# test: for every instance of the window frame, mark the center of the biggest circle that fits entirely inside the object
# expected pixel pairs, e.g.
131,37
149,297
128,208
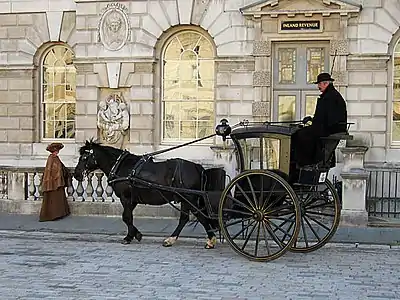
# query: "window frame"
392,143
42,137
166,43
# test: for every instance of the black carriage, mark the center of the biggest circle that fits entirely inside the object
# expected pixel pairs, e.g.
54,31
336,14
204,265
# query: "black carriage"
270,207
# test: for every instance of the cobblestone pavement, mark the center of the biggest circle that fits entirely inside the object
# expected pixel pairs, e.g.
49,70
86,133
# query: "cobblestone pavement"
62,266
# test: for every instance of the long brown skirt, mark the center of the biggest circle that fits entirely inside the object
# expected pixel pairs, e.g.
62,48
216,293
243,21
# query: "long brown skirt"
54,206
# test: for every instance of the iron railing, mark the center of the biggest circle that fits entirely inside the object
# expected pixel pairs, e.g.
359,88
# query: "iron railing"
383,192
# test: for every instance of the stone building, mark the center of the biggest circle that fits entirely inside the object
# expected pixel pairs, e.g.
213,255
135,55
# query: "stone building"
145,75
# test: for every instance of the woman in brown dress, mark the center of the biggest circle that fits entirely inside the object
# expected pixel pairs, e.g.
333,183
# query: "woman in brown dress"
55,178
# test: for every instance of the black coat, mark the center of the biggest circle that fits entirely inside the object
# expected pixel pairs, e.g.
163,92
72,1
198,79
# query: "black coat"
330,117
330,114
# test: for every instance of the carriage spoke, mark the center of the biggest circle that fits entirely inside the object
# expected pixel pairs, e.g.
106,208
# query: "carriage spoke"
278,228
331,204
237,222
313,230
290,227
244,228
248,237
237,212
277,209
245,195
257,239
253,193
266,239
240,203
318,222
320,213
263,208
304,231
274,237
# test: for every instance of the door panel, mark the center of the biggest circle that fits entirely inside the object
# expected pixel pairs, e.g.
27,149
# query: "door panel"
295,68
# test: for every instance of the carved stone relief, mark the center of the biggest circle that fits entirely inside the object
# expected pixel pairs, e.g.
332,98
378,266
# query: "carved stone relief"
341,46
341,78
113,119
262,48
261,78
114,27
261,109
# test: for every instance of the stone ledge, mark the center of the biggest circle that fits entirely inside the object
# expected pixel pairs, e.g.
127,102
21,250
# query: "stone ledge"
354,218
90,209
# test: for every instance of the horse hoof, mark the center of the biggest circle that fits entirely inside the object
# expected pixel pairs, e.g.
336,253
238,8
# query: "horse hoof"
207,246
138,236
125,242
166,244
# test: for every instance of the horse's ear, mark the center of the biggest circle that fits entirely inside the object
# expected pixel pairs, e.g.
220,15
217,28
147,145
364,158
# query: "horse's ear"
87,143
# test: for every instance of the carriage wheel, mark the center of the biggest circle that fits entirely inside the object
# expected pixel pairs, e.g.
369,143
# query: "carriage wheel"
320,216
259,215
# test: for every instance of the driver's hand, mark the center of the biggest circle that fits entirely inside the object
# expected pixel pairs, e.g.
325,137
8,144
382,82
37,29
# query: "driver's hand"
307,119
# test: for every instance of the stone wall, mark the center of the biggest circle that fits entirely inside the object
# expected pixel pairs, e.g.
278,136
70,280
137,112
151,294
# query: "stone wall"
243,64
369,93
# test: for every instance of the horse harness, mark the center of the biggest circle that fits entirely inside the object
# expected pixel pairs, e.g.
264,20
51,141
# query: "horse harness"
136,168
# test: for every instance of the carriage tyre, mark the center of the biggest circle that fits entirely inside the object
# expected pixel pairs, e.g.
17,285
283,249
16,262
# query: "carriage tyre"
320,217
252,209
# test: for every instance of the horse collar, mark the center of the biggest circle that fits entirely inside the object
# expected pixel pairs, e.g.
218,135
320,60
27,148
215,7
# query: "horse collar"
115,167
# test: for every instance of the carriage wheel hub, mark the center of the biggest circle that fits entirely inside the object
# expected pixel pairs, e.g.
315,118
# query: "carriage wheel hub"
258,215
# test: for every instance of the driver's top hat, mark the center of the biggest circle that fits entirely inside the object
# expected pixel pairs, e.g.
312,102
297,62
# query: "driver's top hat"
324,77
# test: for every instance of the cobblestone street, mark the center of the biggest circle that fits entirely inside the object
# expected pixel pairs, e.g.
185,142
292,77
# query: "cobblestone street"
62,266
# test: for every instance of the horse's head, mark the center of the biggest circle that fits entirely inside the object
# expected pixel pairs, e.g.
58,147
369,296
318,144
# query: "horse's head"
87,160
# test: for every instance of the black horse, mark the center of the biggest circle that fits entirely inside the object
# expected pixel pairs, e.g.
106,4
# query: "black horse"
177,173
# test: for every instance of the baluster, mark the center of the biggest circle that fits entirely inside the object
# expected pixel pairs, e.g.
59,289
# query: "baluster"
99,188
38,187
80,191
109,193
70,191
2,186
31,186
89,188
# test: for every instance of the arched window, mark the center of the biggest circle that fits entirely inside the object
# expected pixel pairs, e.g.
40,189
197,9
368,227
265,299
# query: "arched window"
58,93
396,95
188,87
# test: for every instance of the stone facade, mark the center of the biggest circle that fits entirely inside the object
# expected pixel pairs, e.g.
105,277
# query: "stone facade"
244,33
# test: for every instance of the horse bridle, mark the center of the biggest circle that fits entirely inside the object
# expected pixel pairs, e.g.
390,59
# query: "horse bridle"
89,153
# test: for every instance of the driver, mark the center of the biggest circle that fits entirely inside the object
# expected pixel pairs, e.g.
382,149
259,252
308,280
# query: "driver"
330,117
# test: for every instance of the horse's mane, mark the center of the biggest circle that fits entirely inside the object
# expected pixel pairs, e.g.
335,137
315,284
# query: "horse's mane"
92,144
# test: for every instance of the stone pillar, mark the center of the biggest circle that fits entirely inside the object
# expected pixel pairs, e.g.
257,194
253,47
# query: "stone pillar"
224,155
354,175
16,185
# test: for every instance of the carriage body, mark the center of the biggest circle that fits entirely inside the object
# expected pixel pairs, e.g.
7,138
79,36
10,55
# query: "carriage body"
263,146
286,208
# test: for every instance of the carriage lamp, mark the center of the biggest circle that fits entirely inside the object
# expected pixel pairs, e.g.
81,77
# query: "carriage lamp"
223,129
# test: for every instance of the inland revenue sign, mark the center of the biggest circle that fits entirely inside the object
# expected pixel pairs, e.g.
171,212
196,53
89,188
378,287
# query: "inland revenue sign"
301,25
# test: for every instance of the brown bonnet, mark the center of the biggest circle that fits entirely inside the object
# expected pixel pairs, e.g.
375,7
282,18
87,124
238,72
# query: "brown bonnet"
54,147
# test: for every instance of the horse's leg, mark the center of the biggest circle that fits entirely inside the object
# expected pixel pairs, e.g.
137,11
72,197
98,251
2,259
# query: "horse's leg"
211,238
183,219
127,217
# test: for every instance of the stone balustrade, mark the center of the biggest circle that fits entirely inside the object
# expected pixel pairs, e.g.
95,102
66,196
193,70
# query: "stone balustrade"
24,184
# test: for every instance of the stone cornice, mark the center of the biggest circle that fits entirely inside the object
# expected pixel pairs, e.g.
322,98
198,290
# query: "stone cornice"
271,8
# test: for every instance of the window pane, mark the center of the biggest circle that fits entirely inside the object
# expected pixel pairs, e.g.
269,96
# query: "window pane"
315,63
59,93
311,102
396,95
286,108
287,65
188,87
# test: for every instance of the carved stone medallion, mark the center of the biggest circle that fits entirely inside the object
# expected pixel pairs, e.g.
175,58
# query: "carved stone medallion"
113,119
114,26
